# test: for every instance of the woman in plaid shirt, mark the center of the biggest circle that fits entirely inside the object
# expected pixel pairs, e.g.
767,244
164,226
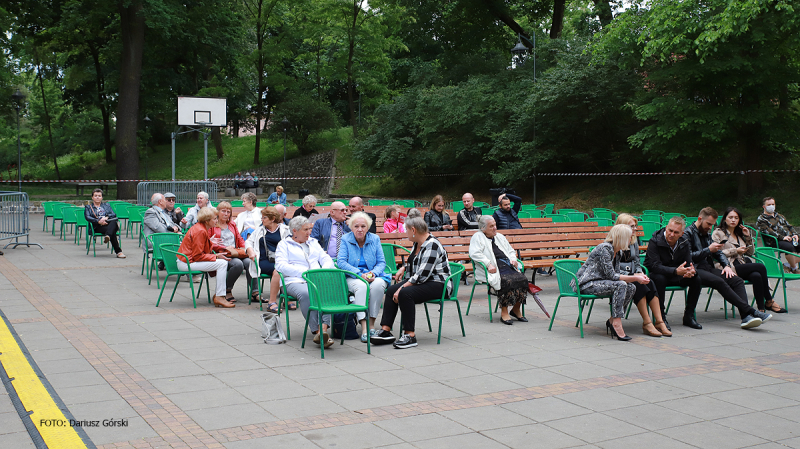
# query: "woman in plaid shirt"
428,268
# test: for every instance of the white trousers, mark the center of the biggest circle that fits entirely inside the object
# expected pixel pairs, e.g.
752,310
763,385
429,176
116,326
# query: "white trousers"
376,291
219,265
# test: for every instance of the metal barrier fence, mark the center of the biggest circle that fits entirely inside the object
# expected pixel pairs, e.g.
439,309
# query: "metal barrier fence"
14,222
185,191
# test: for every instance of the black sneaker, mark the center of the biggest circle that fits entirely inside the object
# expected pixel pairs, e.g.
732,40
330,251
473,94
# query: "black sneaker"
751,321
765,316
405,341
382,337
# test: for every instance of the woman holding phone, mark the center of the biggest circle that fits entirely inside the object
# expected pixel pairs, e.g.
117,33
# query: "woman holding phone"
737,244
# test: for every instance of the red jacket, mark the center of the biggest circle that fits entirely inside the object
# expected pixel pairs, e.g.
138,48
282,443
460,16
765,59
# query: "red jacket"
217,232
196,245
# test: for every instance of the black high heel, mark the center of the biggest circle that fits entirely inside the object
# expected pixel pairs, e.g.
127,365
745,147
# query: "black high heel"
609,327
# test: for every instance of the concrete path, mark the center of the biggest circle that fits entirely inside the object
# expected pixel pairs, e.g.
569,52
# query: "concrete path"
188,378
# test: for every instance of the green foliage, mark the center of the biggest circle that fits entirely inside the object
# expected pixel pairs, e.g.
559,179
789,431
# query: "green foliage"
307,118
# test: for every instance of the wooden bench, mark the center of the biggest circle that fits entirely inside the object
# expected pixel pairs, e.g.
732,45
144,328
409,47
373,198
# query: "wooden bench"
80,186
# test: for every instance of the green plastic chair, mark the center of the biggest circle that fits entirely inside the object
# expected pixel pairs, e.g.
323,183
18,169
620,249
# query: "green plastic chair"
58,215
328,294
457,206
406,203
259,286
665,217
576,217
456,269
527,207
548,208
557,218
648,228
653,211
297,203
81,224
156,241
775,270
650,216
374,202
91,238
566,272
482,204
390,251
601,221
170,254
524,214
481,266
49,207
121,209
566,211
601,212
754,234
135,219
68,218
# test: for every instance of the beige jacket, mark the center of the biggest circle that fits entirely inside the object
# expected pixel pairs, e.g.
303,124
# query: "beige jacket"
480,250
729,248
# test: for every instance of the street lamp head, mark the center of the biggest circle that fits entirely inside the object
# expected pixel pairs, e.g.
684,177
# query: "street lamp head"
519,49
147,120
17,97
285,123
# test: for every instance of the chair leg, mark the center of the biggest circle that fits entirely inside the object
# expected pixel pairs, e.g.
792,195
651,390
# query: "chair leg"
191,286
441,315
580,315
489,298
288,332
305,330
430,329
591,306
458,306
208,288
321,343
162,291
344,327
475,284
671,294
710,293
555,309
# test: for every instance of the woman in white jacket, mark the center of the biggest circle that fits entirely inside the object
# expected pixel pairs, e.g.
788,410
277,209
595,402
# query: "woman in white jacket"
293,257
491,248
263,243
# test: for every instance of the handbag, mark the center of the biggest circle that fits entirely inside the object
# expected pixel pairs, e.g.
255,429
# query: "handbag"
271,330
626,268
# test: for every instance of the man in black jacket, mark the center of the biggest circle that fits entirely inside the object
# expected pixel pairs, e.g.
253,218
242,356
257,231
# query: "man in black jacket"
469,215
725,281
506,217
669,261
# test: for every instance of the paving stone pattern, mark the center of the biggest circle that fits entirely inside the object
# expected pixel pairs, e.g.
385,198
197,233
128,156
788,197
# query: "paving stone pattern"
186,377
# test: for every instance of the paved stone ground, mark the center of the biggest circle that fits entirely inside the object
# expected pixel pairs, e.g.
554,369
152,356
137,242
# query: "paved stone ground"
186,377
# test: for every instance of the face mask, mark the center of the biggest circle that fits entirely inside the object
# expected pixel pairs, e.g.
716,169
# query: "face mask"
770,209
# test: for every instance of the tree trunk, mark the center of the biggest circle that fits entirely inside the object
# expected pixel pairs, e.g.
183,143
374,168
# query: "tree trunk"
500,10
47,120
351,103
132,34
101,103
557,26
603,10
216,136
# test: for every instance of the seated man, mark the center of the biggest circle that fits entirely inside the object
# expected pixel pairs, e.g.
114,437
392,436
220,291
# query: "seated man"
774,224
506,217
329,231
238,180
468,216
704,253
356,204
282,210
191,216
175,214
669,260
248,181
255,180
156,219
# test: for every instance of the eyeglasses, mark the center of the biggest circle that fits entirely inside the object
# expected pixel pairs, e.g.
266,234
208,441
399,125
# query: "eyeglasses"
171,200
340,210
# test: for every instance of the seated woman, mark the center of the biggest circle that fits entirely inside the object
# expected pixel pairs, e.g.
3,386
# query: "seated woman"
428,269
225,239
775,225
264,242
599,275
393,223
360,253
436,218
293,257
197,247
277,197
103,221
493,250
737,245
250,218
307,210
630,264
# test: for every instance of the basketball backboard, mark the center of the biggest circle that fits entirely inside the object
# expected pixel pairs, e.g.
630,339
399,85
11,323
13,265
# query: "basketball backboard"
202,111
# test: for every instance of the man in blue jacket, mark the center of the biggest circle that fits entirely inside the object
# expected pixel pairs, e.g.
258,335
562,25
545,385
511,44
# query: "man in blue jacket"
506,217
329,231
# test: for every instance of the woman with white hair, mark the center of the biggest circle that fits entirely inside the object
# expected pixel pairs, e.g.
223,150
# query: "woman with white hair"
599,275
429,269
307,210
492,249
293,257
361,254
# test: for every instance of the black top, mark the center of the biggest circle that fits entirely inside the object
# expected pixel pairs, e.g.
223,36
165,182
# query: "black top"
302,211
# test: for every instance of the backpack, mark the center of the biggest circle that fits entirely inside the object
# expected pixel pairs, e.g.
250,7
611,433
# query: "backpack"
271,330
338,326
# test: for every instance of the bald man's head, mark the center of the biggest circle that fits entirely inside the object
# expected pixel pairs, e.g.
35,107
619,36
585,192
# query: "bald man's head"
467,199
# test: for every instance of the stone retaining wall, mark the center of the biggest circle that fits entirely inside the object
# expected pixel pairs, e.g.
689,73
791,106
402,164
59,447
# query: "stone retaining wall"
315,165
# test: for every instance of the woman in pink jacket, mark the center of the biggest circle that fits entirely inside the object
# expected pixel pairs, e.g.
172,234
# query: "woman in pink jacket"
392,223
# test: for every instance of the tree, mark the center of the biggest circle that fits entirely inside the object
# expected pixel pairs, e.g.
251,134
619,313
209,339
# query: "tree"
718,77
307,117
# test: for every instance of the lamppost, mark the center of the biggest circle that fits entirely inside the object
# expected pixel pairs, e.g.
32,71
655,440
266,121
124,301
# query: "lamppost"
285,123
17,97
146,139
519,53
